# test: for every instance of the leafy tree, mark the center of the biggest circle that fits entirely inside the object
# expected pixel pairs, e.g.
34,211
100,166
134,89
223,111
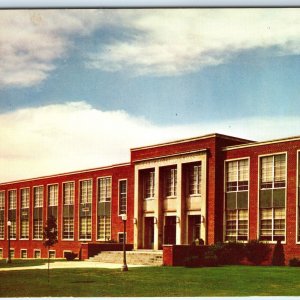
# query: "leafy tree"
50,237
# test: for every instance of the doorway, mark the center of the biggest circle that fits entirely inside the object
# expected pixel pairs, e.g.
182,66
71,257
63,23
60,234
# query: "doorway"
149,233
194,228
170,230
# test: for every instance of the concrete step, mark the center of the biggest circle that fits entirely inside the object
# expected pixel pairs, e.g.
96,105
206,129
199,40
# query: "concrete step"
136,257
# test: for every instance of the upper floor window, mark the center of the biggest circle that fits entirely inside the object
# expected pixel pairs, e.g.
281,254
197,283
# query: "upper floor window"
104,185
68,193
12,199
194,173
171,182
53,195
273,171
149,182
122,197
86,191
38,196
237,175
25,198
2,200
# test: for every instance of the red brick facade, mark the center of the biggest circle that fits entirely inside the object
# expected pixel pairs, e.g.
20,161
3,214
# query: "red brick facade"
217,150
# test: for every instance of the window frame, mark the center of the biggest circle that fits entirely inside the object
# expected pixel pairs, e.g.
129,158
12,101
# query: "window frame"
4,210
63,205
259,157
119,195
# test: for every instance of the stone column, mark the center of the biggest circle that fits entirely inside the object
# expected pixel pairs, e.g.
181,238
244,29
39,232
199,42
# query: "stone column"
180,208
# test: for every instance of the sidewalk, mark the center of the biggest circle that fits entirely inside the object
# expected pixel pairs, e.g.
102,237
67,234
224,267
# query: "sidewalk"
72,264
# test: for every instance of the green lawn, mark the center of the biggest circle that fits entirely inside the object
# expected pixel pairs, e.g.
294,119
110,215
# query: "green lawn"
153,281
24,262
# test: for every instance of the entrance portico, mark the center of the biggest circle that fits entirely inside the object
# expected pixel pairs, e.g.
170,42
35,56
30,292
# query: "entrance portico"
169,200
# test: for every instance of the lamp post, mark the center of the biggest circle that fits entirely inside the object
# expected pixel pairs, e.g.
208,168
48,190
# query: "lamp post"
8,240
124,267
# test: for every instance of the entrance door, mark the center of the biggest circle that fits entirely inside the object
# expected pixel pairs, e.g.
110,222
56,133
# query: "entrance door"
170,230
149,233
194,228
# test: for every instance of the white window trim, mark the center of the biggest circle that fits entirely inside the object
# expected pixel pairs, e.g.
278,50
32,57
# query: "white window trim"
37,250
21,253
48,194
51,250
224,197
1,250
20,195
258,198
37,186
119,233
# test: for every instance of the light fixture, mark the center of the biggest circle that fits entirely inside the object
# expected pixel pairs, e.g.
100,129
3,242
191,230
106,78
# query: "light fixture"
177,219
124,217
134,221
154,220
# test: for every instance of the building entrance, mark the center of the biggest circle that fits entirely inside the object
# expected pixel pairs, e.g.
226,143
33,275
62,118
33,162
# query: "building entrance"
170,230
194,228
149,233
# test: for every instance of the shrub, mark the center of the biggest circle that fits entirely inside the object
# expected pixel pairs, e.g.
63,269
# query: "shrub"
192,262
70,255
210,259
294,262
278,258
257,252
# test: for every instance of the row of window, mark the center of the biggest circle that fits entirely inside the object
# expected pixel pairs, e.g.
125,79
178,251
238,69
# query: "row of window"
272,193
193,178
85,209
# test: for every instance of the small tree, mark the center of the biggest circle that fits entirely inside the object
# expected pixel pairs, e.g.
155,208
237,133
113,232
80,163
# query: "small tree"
278,255
50,237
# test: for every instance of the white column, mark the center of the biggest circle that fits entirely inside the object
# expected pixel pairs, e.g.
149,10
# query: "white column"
138,227
180,208
156,209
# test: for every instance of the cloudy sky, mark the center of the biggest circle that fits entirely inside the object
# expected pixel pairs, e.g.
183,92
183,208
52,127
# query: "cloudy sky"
78,88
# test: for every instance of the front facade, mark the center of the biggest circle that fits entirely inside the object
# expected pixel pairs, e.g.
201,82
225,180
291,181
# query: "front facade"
210,188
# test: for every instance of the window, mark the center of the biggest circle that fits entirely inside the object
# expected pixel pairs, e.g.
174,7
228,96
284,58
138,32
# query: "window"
38,192
68,210
272,197
149,182
171,182
68,193
194,179
12,199
13,229
52,254
38,199
24,229
2,207
1,253
37,254
52,195
37,229
25,198
122,197
86,191
23,253
121,237
236,198
104,203
12,253
68,228
85,221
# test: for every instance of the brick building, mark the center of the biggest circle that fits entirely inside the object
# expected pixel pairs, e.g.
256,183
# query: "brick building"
214,188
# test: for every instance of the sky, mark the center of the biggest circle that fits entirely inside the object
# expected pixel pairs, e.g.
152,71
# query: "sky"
79,88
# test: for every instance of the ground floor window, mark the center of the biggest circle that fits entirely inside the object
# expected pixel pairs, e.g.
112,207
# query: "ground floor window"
37,254
68,228
24,229
272,224
104,230
121,237
237,225
1,253
12,253
38,229
85,228
23,253
52,254
1,229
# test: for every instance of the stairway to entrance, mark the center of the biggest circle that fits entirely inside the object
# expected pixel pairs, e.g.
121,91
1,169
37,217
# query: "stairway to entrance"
135,257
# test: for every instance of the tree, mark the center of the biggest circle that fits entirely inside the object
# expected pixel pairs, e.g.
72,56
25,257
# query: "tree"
278,254
50,237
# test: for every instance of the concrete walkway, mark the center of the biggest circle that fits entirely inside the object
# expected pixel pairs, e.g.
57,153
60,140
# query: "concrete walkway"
71,264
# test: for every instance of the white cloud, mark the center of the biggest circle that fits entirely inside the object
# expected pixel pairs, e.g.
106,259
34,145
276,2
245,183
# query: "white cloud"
173,42
73,136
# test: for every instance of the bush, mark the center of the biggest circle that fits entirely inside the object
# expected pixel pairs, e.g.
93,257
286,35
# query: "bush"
210,259
192,262
294,262
70,255
278,258
257,252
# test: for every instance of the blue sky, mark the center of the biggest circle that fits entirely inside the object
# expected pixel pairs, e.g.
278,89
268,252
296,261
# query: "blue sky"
80,87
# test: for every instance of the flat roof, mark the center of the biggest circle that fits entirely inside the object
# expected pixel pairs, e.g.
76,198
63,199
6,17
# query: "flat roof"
211,135
255,144
66,174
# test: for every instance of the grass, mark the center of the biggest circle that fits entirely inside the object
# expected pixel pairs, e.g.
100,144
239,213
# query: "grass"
153,281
